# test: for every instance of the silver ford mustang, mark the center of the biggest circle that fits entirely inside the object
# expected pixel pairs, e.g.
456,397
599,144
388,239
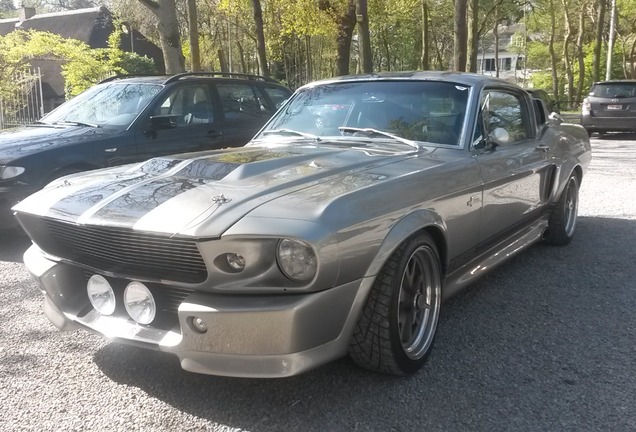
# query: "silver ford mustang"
339,229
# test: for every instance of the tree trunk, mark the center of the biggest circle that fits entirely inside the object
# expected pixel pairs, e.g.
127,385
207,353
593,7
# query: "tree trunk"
580,55
260,38
223,61
473,36
425,37
461,36
387,50
364,38
598,40
495,32
243,63
193,36
168,28
566,52
345,24
309,59
553,57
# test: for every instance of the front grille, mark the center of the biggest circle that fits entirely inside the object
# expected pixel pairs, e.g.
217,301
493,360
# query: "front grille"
125,252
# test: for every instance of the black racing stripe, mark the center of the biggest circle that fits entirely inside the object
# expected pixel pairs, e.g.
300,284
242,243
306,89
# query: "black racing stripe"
77,203
133,205
127,209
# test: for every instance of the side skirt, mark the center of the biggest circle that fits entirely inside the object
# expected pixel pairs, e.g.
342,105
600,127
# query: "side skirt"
491,258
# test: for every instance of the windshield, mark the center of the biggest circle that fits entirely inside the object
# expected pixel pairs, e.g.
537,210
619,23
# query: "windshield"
111,104
428,111
614,90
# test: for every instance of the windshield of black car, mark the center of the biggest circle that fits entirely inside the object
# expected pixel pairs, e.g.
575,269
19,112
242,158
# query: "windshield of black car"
614,90
427,111
110,104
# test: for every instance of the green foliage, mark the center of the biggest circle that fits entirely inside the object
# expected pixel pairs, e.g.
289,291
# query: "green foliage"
81,66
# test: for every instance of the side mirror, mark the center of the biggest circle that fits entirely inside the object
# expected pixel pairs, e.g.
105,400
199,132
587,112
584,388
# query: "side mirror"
555,119
499,136
160,122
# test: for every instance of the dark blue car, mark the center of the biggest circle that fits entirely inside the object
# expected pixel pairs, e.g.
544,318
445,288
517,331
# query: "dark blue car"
124,120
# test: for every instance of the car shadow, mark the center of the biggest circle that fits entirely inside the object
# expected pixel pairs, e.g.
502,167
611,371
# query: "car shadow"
13,243
531,336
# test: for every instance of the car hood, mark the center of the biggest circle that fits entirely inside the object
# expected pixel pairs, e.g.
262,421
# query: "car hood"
203,196
17,143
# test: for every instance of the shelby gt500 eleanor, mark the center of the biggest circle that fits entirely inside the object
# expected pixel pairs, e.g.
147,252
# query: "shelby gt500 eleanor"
339,229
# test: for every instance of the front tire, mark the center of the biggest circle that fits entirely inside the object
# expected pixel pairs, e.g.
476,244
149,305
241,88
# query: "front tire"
562,222
397,327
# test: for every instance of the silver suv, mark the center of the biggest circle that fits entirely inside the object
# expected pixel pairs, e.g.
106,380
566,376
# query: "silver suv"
610,107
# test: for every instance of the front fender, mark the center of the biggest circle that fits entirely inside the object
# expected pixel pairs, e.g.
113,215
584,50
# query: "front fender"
405,228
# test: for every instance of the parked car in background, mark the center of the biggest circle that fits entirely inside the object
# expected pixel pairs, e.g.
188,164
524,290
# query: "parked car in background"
129,119
318,238
551,104
610,107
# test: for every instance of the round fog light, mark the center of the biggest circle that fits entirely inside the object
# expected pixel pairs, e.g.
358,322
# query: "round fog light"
139,303
199,325
101,295
236,261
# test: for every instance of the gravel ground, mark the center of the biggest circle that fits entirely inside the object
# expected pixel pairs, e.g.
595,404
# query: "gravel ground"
545,343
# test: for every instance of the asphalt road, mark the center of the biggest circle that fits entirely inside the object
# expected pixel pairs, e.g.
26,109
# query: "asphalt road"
545,343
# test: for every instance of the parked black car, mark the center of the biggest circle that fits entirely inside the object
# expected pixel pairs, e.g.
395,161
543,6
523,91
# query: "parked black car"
129,119
610,107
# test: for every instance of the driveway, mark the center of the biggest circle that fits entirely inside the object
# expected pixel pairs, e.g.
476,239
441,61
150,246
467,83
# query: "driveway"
544,343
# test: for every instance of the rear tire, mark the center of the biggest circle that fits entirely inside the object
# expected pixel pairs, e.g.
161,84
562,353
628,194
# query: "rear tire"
562,222
397,327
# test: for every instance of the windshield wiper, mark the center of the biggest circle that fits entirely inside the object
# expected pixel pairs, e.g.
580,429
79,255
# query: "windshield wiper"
39,123
75,123
292,132
369,132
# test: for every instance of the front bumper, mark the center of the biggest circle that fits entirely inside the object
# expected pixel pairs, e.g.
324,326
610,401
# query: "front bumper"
248,335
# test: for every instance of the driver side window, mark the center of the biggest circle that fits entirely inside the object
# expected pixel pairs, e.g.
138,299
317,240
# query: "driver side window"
504,110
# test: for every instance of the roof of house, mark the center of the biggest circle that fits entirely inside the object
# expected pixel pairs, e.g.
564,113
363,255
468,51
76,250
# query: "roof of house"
92,26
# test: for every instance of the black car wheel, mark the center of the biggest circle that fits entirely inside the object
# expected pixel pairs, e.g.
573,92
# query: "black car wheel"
396,329
562,222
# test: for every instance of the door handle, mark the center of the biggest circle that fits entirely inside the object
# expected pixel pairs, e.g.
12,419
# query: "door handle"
542,147
214,134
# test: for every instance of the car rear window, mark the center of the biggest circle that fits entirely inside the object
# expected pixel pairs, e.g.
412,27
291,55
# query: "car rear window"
614,90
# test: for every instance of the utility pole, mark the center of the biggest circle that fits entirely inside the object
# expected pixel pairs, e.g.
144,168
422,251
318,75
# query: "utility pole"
610,44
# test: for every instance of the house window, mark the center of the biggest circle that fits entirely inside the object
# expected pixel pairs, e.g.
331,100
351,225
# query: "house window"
507,64
489,65
517,40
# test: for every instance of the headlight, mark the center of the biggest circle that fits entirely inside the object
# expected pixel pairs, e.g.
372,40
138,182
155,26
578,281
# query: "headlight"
139,303
101,295
9,172
297,260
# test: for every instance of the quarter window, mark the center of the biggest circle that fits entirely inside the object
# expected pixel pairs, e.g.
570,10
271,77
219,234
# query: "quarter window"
241,101
277,95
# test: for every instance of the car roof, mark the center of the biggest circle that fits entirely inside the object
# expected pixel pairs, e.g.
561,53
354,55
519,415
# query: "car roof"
616,82
167,79
466,78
